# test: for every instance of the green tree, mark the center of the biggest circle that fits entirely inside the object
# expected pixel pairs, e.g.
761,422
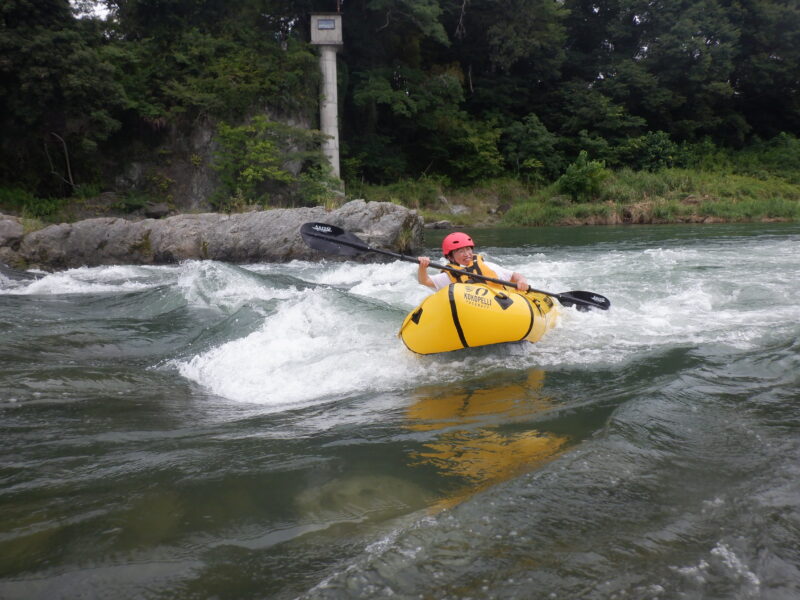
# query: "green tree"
691,48
765,73
446,80
531,150
675,67
58,95
255,161
670,64
459,89
511,54
393,101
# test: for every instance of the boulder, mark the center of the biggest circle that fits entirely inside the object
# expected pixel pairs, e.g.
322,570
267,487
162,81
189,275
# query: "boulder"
263,236
157,210
439,225
11,232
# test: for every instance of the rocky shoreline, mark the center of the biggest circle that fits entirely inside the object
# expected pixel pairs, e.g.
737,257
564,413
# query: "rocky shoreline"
260,236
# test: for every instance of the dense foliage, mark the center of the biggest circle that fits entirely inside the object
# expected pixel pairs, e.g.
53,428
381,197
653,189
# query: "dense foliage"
546,91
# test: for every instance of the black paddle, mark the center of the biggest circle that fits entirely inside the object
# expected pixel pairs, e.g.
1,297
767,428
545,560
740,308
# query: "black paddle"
335,240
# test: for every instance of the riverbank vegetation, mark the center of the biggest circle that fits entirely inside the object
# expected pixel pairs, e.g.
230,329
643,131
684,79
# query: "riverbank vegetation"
522,112
696,184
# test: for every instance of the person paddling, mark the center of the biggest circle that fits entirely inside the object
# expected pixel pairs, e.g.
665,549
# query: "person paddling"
458,249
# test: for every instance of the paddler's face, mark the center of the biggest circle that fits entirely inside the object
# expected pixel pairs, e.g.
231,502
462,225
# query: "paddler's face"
463,256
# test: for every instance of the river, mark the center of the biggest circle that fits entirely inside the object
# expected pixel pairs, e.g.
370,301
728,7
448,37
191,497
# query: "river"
208,430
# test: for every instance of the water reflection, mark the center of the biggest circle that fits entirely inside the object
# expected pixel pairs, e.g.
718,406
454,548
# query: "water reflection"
482,436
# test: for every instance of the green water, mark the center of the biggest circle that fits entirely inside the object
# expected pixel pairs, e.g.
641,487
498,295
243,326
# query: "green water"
220,431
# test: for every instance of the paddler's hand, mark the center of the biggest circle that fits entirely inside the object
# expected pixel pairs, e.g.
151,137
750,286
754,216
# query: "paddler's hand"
522,283
422,271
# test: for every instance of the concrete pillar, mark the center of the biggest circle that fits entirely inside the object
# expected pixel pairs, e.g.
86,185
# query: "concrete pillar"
329,107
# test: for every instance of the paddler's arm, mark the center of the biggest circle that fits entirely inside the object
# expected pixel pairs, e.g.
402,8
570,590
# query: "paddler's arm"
519,279
422,272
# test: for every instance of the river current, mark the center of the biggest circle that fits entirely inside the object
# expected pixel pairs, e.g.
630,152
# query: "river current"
210,430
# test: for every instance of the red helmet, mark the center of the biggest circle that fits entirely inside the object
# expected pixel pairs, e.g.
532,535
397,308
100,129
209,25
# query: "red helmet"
454,241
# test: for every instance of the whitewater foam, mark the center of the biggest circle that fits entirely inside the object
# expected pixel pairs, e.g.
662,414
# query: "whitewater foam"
84,280
315,348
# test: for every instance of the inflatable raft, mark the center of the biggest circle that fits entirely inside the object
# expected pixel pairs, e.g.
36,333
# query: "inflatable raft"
465,315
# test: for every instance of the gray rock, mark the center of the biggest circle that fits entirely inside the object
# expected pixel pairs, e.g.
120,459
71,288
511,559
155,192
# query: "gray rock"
10,230
439,225
156,210
264,236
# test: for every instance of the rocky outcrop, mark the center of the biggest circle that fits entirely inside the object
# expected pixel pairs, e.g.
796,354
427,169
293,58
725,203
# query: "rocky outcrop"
11,232
264,236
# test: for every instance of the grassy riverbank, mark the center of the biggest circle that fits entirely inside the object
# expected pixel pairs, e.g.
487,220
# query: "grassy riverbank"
625,196
711,185
696,183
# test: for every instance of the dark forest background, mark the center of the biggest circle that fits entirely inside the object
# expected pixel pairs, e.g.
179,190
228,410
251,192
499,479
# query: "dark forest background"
453,91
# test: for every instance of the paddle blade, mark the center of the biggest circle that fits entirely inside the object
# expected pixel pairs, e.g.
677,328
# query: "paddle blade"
584,300
332,239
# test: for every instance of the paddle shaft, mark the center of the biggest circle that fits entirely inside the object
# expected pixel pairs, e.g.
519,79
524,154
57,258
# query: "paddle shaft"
330,238
411,259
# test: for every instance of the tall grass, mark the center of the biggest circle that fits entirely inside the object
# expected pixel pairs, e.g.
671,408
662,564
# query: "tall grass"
16,200
626,196
669,195
414,193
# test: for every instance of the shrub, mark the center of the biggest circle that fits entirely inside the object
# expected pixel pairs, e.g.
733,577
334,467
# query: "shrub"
19,200
702,155
255,157
15,198
585,211
666,211
651,152
132,201
87,190
414,193
747,210
584,178
473,152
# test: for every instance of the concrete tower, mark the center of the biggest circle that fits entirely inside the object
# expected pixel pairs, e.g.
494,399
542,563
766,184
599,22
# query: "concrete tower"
326,32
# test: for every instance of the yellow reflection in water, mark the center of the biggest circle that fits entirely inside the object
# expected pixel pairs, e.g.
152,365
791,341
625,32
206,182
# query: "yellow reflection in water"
478,441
